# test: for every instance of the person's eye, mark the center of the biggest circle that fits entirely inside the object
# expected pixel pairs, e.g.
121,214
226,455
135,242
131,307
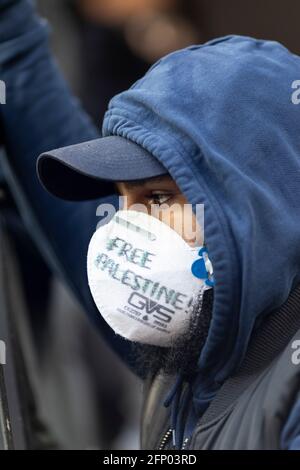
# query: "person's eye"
159,198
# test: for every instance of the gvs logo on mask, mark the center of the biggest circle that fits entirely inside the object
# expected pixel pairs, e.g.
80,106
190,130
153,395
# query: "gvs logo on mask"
148,306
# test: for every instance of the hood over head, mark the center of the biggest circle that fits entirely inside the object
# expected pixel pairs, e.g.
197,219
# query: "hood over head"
221,119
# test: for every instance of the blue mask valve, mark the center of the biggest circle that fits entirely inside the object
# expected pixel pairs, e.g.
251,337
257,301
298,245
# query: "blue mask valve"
199,268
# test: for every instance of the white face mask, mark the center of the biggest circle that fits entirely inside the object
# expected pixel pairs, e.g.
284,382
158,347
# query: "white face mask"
140,276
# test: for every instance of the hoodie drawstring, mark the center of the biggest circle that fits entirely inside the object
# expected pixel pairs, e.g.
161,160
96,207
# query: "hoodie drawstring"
173,399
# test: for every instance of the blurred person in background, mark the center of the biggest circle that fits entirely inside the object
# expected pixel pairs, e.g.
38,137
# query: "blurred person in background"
104,46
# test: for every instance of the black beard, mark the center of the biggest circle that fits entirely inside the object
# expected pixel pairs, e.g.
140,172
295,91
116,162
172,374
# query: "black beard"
183,354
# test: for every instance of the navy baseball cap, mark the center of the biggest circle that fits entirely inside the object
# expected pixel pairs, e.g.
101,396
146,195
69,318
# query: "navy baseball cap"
87,170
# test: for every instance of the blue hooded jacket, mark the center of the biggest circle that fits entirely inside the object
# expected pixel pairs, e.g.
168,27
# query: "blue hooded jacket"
221,118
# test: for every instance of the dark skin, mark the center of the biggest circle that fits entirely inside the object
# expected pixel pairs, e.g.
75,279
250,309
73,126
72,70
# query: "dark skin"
183,354
163,199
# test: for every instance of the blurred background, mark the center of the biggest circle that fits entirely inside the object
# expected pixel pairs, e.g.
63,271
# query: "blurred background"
89,400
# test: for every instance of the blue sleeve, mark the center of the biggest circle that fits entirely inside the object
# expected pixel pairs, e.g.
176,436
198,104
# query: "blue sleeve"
41,114
290,436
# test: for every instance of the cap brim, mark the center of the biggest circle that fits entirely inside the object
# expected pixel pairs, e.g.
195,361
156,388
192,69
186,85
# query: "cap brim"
88,170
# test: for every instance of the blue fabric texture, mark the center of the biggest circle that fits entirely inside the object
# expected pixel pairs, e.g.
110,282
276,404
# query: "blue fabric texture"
220,118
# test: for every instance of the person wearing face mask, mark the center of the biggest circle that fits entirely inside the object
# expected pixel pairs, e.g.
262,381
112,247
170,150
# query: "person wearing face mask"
210,320
148,269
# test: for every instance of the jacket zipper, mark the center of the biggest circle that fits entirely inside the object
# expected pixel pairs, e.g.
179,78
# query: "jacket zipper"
166,438
186,440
